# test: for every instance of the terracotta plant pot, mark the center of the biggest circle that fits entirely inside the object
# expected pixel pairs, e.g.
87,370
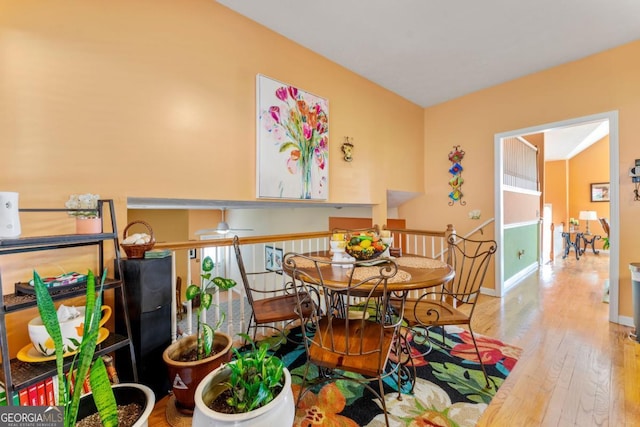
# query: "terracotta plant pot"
88,225
279,412
185,376
124,393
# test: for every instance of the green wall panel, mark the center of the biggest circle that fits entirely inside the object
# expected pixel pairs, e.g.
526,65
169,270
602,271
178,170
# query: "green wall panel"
517,239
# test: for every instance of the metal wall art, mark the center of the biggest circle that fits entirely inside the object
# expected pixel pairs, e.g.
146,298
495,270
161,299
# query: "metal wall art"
455,157
347,149
293,142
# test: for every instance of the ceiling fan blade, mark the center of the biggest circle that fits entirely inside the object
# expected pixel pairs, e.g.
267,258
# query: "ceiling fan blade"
220,230
206,231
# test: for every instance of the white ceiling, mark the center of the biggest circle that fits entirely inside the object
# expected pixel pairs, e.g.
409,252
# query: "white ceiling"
564,143
431,51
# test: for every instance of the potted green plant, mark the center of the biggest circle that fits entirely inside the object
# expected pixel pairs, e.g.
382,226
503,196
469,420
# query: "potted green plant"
191,358
84,207
253,389
102,393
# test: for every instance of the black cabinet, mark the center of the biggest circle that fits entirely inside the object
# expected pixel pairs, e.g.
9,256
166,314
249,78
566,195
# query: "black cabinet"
148,286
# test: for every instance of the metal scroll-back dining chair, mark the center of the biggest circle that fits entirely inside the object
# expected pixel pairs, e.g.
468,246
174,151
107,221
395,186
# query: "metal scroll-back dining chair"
454,302
356,332
268,307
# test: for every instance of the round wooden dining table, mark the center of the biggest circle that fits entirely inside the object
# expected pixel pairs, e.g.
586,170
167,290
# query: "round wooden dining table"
414,271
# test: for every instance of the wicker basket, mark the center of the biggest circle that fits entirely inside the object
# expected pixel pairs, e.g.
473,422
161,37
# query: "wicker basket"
137,251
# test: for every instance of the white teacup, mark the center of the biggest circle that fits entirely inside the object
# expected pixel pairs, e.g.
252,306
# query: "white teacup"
71,330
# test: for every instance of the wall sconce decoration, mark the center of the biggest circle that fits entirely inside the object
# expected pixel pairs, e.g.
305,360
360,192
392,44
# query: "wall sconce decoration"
634,173
347,149
455,157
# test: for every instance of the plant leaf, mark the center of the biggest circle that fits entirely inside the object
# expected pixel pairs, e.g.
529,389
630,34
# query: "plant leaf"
205,300
102,394
207,339
224,284
207,264
192,292
87,348
47,311
287,145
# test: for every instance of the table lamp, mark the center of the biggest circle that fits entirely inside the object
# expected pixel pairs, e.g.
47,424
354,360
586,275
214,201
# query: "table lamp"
587,216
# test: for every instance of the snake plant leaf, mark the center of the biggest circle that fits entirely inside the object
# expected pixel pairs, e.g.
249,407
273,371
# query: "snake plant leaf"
88,344
50,320
102,394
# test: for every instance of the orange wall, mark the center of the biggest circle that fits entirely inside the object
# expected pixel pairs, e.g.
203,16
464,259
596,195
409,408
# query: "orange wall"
603,82
156,98
555,190
520,207
590,166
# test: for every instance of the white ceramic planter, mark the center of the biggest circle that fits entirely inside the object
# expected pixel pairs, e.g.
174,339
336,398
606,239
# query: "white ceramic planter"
279,412
125,393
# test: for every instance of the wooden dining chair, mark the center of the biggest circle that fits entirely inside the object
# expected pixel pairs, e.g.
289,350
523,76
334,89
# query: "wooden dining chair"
268,307
355,332
454,302
374,229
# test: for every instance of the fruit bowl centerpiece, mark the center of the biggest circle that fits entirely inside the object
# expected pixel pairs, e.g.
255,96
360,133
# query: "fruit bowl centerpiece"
365,246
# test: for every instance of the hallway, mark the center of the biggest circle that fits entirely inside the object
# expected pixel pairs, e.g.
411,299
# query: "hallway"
577,368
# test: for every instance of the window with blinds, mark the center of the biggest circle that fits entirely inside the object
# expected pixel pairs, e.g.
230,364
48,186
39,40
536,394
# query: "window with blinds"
520,164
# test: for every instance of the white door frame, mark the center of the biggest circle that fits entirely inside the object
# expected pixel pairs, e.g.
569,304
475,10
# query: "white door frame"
614,204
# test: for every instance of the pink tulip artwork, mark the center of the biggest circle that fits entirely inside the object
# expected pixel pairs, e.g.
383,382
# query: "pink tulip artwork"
293,142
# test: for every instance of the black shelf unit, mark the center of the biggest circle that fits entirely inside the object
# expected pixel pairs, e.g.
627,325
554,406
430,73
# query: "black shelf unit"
17,375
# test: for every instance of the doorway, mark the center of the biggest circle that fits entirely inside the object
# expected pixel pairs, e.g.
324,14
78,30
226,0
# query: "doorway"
614,208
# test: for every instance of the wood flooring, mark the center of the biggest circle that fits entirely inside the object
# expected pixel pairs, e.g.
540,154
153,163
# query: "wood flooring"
576,368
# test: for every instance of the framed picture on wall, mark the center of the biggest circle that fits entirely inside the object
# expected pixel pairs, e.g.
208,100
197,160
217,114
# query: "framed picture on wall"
600,192
292,142
273,258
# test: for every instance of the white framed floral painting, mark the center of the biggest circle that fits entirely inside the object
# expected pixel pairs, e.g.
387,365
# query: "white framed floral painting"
292,142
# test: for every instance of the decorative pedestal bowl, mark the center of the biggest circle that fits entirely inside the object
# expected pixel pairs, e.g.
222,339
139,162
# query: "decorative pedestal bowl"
366,248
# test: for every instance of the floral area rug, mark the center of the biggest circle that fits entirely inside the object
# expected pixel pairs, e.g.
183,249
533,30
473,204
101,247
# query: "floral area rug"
449,389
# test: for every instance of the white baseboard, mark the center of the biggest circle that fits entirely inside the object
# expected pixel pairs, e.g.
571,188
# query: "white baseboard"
488,291
626,321
522,274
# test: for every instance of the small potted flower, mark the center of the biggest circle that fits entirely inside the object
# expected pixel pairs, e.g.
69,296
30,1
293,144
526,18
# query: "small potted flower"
84,207
573,224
